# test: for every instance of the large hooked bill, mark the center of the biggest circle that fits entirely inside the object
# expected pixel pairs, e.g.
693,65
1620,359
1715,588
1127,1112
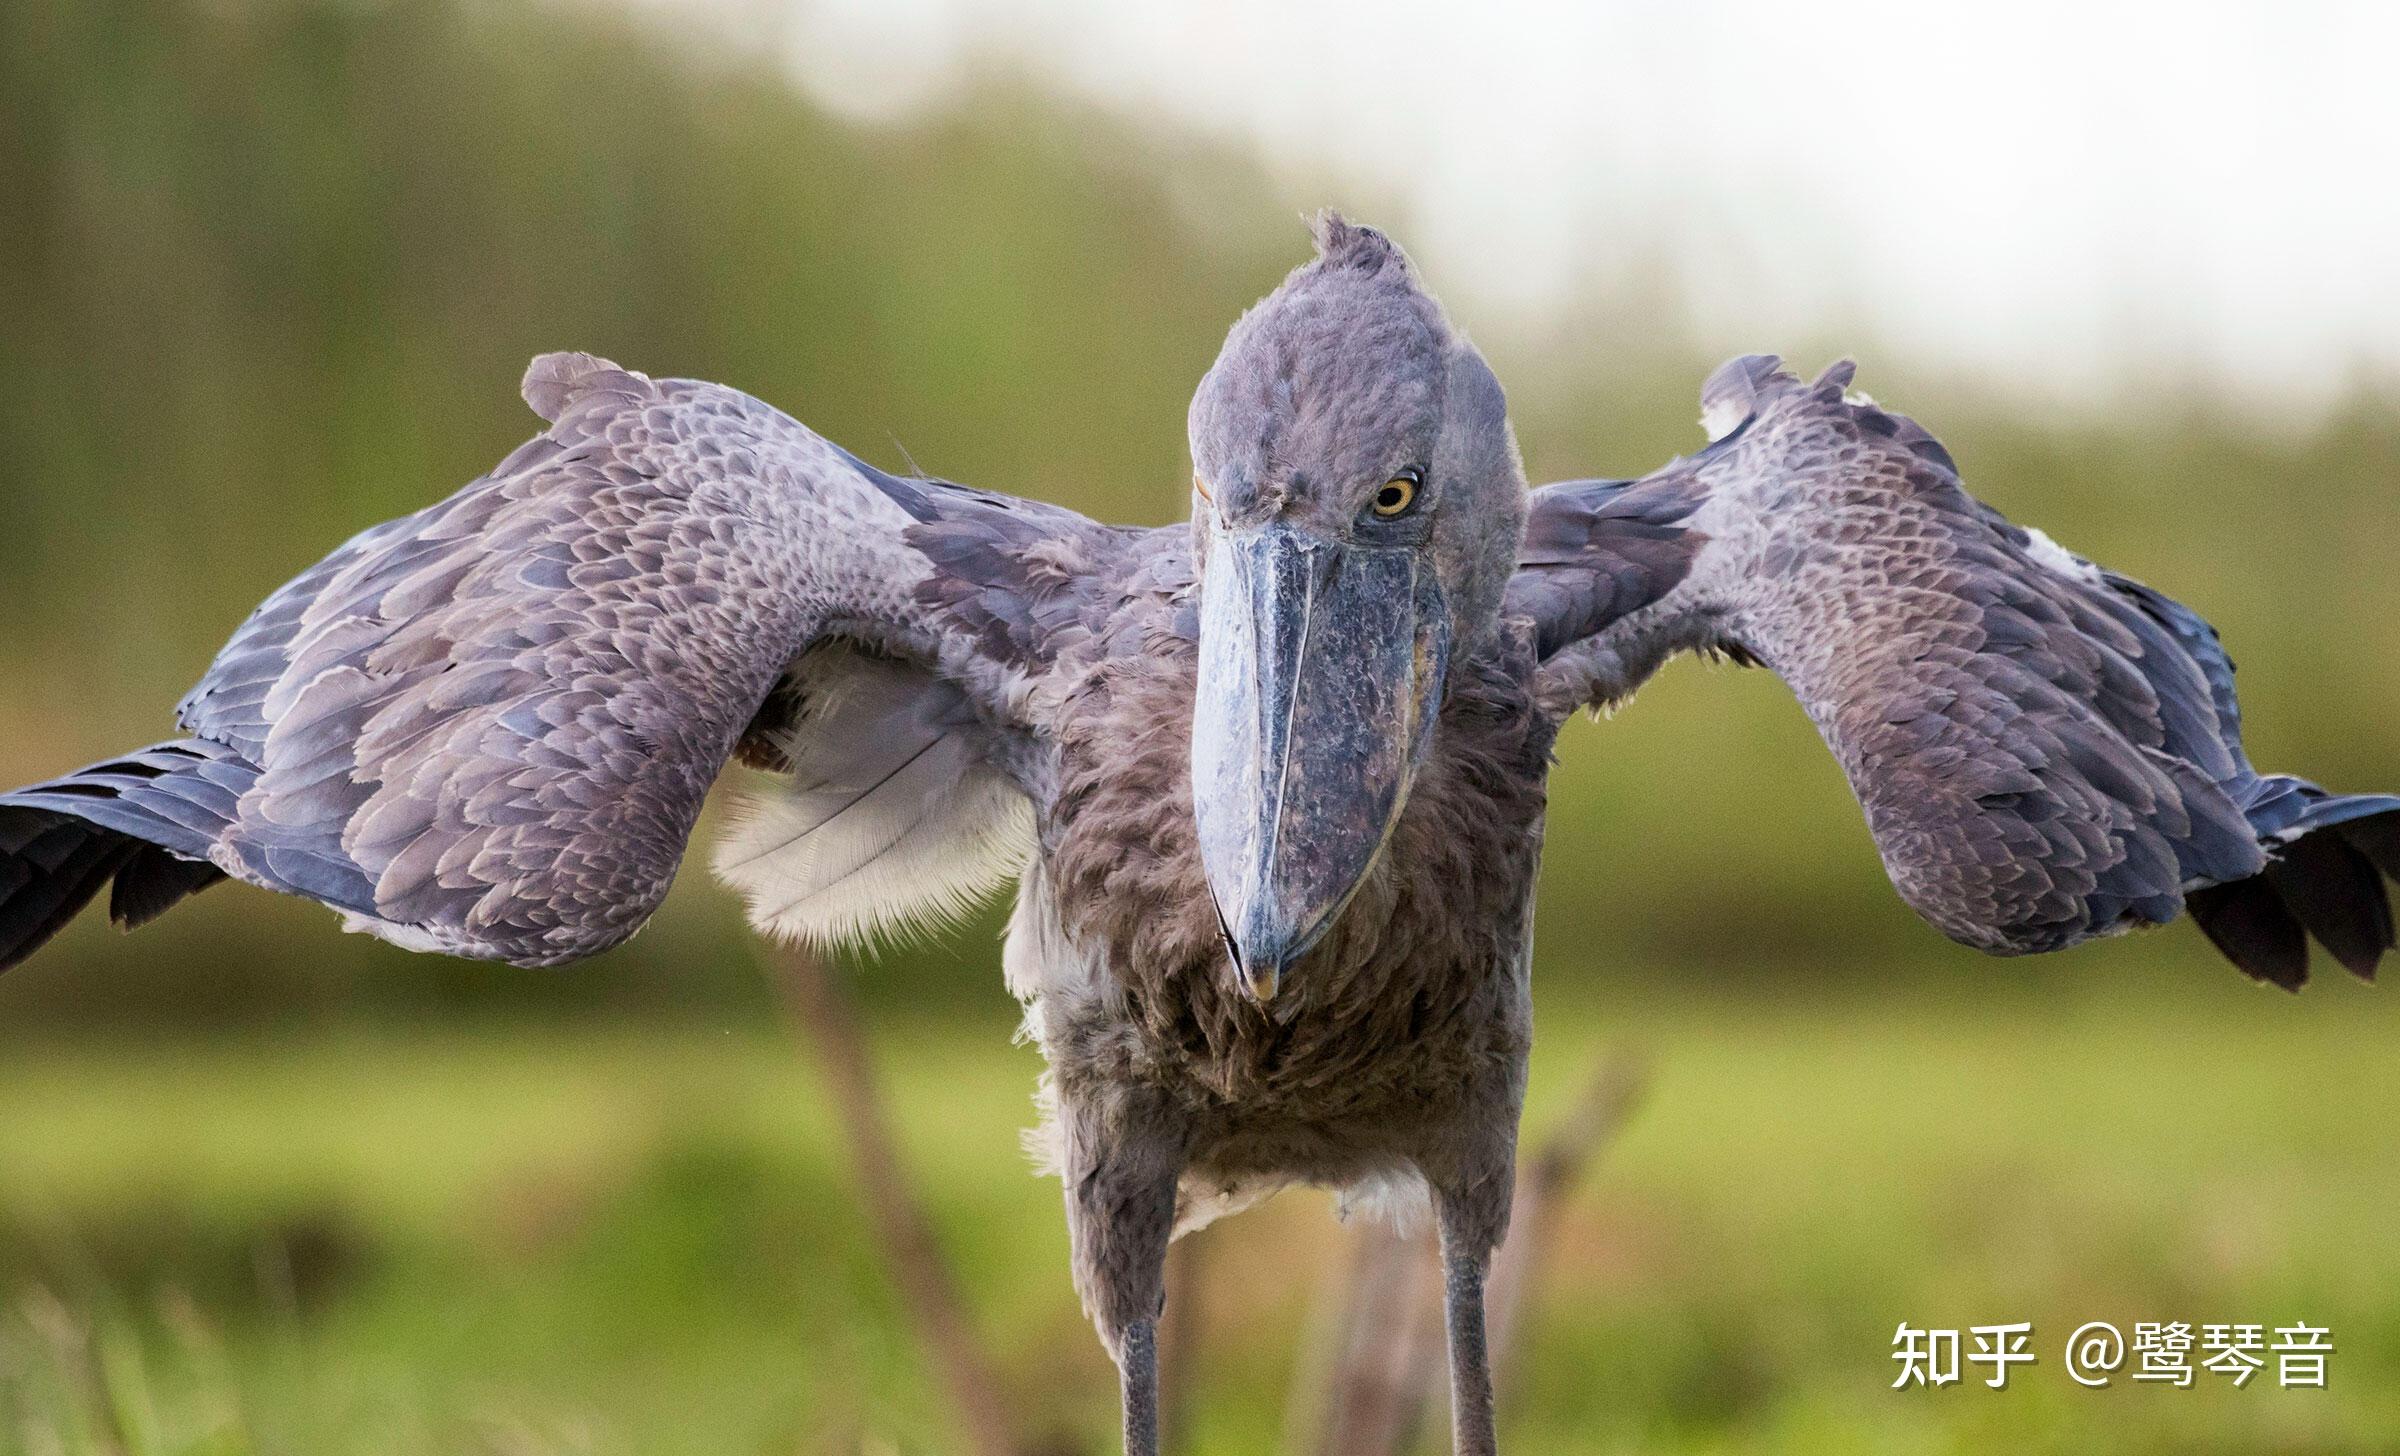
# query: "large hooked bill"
1321,669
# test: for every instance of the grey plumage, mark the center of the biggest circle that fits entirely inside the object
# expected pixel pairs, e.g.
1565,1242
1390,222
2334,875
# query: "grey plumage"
1272,783
487,728
2046,751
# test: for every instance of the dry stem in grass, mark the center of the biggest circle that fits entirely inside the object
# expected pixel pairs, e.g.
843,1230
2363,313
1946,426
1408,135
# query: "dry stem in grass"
824,1018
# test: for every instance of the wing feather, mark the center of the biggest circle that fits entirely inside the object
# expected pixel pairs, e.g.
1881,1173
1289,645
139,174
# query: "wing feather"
2045,751
487,727
888,815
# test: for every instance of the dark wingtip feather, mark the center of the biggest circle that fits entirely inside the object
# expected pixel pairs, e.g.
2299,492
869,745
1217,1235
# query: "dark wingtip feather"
2249,922
59,863
2334,890
153,882
2378,838
143,819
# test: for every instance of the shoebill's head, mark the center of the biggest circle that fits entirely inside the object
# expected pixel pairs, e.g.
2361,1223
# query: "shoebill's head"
1356,508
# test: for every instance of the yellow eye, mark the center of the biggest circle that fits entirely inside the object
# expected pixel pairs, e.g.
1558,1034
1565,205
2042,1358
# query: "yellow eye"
1397,495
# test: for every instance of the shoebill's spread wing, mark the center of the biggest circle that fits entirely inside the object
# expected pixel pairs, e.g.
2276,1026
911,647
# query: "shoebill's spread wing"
487,728
2046,751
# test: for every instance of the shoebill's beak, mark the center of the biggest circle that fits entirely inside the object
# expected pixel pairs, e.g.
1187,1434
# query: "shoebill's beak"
1321,670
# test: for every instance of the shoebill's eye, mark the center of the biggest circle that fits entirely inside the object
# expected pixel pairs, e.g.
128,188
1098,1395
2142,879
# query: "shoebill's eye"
1398,496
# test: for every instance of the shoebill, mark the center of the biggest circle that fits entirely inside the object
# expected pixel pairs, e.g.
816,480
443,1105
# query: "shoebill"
1270,782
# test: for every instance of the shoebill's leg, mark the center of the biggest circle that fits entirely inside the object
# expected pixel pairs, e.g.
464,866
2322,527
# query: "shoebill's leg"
1120,1213
1473,1218
1137,1365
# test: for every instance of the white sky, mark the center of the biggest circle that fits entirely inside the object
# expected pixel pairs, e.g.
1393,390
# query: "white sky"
2080,191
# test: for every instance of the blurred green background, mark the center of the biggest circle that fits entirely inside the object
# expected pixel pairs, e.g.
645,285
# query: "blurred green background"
269,272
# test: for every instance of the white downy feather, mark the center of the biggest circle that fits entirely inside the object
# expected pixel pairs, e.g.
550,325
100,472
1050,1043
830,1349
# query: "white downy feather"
891,818
2058,558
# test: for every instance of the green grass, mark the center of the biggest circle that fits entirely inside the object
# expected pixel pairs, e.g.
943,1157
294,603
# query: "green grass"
533,1243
